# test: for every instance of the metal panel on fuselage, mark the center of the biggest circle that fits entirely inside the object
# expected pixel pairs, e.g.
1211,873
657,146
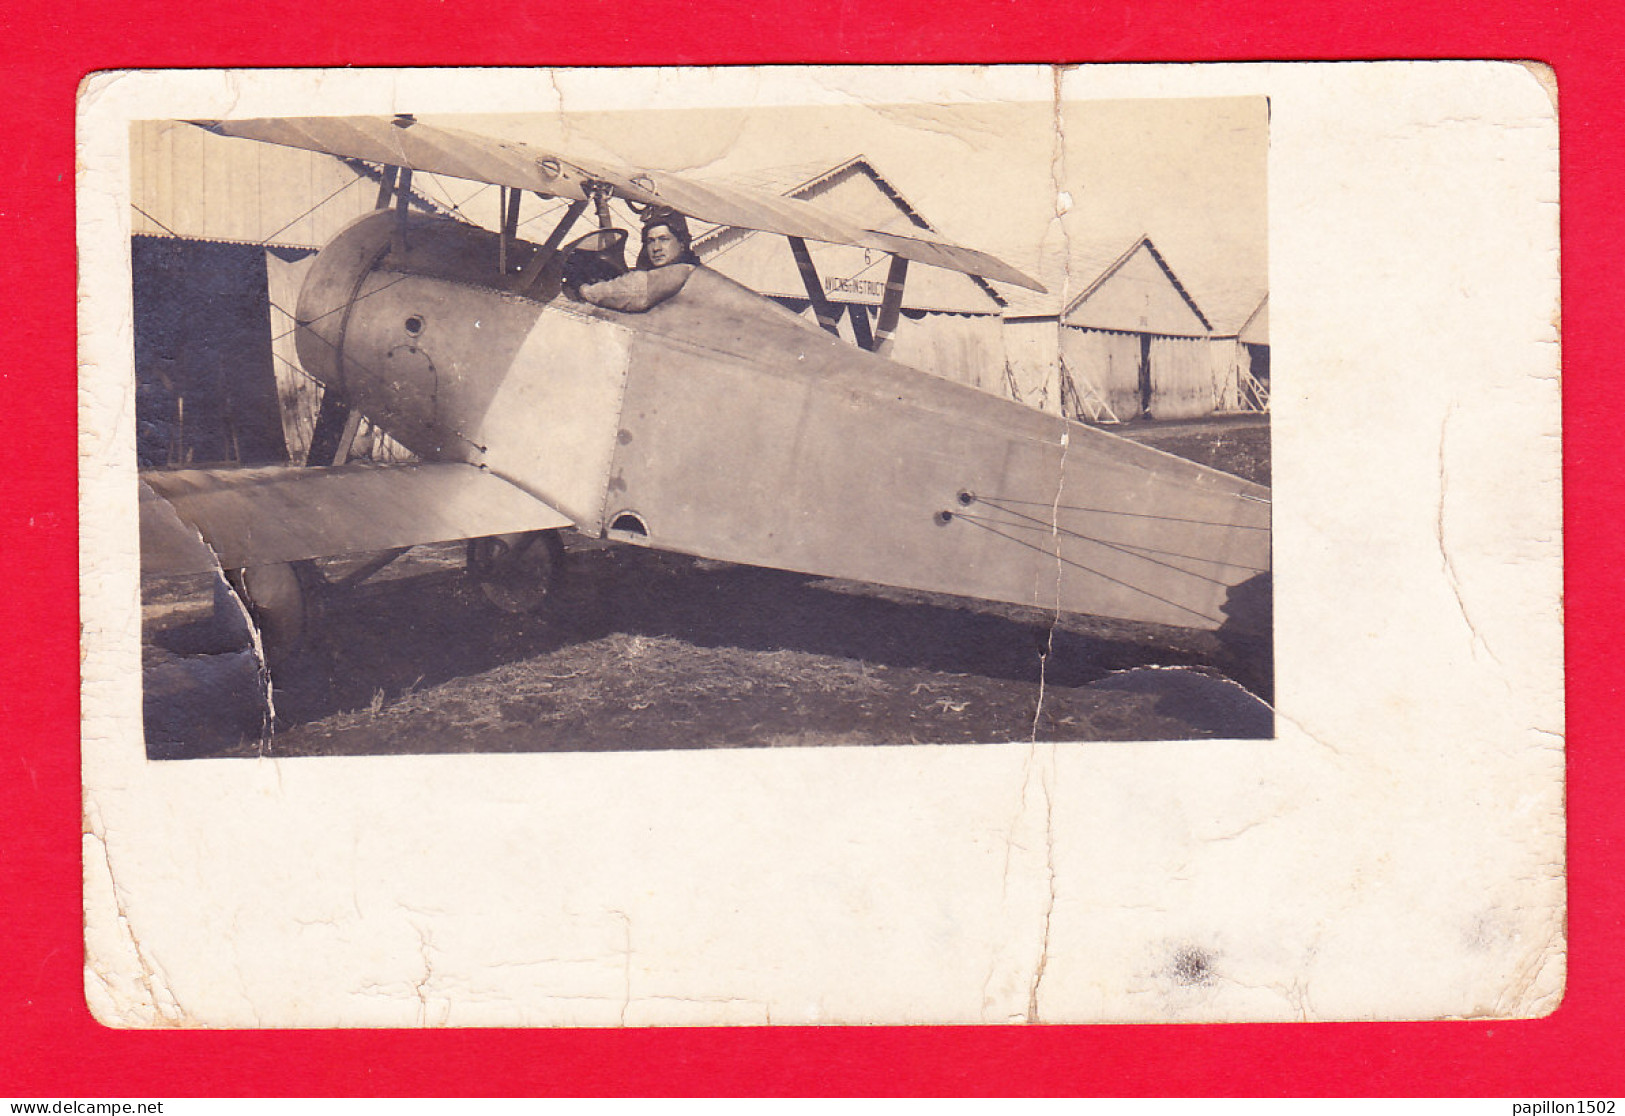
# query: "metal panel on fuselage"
751,437
552,425
456,370
425,357
492,378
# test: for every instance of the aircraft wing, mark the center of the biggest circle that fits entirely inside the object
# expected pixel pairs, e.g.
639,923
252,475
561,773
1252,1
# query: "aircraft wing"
752,209
255,516
405,142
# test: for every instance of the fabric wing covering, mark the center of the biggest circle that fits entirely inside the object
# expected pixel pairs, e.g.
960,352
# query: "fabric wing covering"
283,514
405,142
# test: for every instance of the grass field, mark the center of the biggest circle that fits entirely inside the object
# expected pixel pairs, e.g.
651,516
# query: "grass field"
647,650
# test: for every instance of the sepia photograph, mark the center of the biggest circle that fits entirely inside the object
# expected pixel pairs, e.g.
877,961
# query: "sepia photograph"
681,428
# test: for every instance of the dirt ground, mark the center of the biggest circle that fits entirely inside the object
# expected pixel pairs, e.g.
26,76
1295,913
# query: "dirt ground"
647,650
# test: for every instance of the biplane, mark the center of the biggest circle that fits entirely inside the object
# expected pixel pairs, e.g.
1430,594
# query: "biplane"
717,423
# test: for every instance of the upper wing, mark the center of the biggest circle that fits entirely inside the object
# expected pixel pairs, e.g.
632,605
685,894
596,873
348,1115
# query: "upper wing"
405,142
752,209
250,517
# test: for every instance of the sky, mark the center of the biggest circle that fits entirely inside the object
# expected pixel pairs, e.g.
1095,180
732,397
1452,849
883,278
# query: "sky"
1034,187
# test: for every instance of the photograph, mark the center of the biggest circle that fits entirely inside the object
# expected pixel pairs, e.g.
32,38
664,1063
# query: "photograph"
742,426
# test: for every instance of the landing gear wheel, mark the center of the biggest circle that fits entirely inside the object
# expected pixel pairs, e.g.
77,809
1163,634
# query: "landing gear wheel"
276,600
517,573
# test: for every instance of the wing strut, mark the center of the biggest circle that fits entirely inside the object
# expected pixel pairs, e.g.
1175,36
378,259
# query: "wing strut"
336,426
403,205
509,204
891,305
386,187
828,316
858,315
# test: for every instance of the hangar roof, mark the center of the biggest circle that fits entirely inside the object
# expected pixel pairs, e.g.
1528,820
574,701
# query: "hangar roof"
1256,329
1139,293
1082,270
1134,291
850,274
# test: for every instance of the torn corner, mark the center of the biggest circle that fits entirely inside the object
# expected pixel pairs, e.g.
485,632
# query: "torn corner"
1546,76
205,684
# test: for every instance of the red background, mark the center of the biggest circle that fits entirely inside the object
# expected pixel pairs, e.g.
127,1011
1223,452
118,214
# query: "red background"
49,1045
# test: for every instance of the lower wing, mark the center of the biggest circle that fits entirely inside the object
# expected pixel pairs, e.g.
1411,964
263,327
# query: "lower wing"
193,520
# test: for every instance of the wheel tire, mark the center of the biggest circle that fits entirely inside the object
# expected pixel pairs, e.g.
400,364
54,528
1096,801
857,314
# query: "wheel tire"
275,596
518,574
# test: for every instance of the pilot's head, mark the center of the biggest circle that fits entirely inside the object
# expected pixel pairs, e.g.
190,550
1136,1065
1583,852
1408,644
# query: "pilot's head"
665,239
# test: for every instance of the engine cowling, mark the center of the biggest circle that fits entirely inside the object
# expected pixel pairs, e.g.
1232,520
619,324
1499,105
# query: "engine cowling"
407,322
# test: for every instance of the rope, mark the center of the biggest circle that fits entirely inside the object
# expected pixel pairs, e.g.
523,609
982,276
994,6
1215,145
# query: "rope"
1010,384
560,208
445,192
297,324
1041,525
348,359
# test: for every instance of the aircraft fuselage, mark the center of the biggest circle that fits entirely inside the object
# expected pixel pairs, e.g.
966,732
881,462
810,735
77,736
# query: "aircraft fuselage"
720,424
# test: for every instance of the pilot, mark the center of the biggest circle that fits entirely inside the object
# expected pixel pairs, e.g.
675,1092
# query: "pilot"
664,264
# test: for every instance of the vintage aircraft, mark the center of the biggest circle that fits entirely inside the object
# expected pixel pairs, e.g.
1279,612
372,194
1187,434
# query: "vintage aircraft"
717,423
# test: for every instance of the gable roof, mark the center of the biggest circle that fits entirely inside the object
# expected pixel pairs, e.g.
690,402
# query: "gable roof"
1118,264
808,181
1256,329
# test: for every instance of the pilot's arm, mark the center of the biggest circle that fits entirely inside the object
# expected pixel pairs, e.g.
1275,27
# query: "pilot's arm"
637,291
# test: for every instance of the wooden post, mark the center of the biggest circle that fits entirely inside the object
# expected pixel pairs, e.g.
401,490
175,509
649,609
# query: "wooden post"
336,425
508,203
510,223
600,201
502,231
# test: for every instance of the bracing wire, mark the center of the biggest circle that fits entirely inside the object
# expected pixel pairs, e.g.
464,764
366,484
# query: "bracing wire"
988,527
1033,523
998,501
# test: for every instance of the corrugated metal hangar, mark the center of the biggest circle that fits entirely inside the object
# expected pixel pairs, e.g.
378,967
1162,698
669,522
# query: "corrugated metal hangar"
1133,344
221,233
